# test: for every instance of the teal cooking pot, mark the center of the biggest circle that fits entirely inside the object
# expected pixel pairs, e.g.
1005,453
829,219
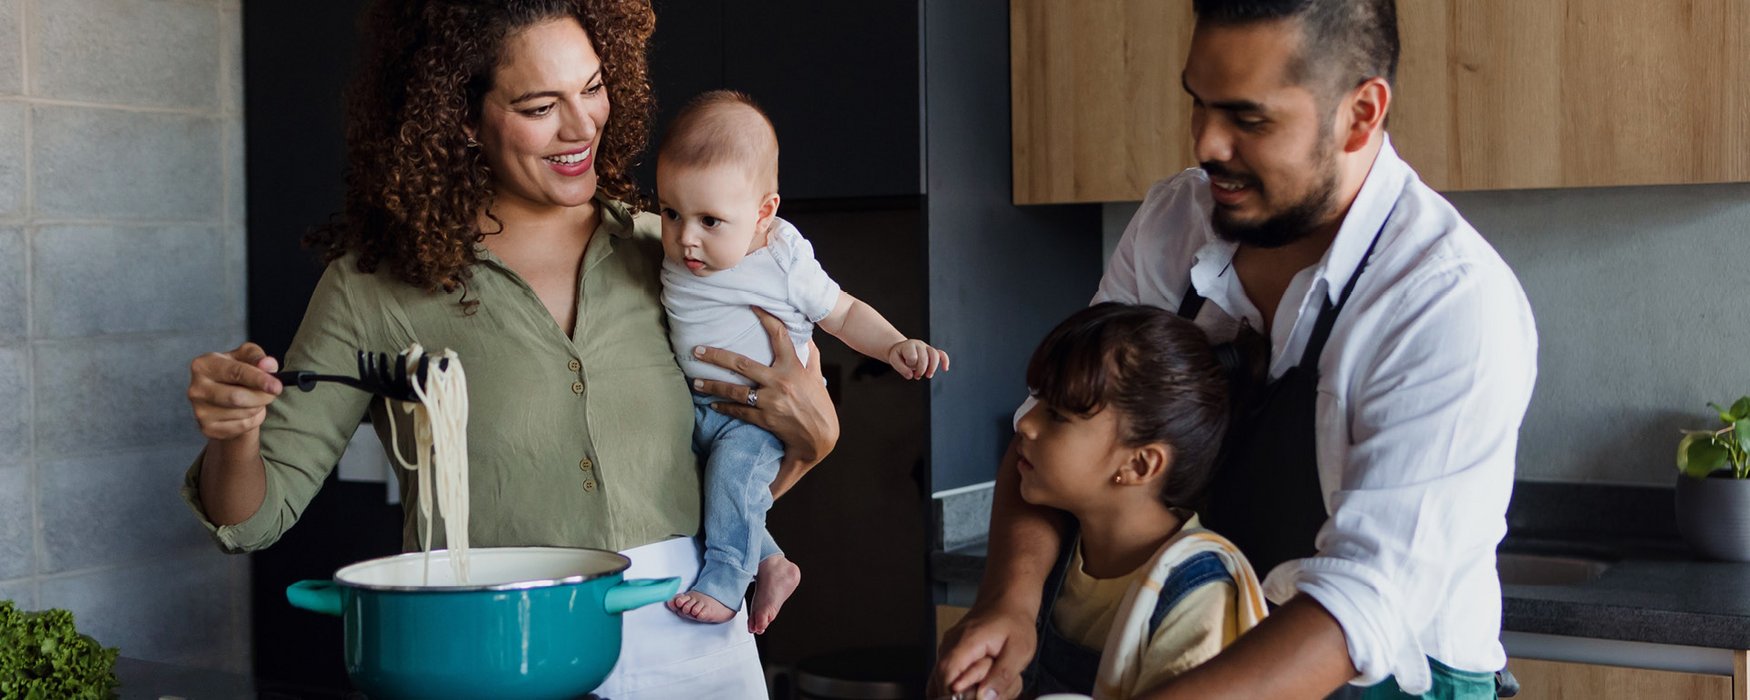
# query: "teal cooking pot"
533,622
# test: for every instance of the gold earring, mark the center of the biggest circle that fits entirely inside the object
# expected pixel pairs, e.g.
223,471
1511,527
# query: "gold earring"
1117,478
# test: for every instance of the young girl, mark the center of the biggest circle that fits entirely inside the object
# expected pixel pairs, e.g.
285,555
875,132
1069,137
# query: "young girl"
1131,405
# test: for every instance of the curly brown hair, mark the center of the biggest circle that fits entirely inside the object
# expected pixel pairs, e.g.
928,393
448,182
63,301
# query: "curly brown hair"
414,189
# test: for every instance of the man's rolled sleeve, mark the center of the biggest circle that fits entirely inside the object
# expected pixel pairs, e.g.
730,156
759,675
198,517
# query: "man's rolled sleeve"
1427,472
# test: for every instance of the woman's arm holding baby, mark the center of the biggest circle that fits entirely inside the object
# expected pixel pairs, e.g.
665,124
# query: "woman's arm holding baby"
793,402
866,331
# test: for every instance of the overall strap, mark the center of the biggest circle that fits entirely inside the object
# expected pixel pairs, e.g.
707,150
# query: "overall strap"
1190,575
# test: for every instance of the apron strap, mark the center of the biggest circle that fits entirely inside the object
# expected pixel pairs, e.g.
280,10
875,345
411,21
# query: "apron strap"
1315,344
1192,304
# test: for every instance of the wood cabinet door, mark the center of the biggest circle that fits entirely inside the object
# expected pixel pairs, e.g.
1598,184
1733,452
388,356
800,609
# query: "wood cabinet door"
1491,94
1561,680
1097,109
1497,94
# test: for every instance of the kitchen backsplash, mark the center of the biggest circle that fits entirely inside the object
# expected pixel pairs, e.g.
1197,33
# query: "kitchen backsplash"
1636,294
121,259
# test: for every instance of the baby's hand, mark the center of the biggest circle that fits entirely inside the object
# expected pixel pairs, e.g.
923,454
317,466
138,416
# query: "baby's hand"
915,358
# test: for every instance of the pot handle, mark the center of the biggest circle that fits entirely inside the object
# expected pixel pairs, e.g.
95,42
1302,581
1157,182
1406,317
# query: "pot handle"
638,593
315,596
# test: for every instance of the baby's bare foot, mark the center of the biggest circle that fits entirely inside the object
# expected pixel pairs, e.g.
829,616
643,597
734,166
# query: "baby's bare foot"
777,579
699,607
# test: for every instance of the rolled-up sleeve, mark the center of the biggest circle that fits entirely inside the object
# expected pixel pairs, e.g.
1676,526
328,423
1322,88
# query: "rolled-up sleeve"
1432,416
304,433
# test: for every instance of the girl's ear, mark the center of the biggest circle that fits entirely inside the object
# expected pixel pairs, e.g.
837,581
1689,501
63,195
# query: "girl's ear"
1148,463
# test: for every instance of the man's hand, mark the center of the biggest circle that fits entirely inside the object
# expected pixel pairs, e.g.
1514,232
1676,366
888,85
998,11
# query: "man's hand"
984,655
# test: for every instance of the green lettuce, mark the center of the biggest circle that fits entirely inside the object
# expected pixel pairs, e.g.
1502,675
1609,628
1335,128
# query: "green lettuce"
42,657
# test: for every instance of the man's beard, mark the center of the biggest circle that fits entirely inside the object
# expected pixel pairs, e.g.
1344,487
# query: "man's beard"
1285,227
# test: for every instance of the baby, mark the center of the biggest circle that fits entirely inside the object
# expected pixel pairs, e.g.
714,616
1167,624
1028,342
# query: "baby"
726,251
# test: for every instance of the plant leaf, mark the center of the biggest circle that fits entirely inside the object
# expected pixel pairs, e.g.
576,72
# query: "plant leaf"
1698,458
1741,431
1725,415
1741,409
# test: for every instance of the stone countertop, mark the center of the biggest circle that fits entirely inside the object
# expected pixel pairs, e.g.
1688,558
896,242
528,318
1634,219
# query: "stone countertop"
150,680
1654,591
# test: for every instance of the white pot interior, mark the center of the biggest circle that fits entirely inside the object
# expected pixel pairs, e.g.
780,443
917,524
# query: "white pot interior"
487,567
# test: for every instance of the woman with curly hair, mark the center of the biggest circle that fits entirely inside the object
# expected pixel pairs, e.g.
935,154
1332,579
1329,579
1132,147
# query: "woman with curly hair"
490,210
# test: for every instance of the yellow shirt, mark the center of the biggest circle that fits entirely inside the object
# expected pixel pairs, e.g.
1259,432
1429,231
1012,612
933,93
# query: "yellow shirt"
1195,630
582,440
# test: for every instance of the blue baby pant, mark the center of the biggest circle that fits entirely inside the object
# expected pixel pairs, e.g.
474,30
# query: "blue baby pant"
741,460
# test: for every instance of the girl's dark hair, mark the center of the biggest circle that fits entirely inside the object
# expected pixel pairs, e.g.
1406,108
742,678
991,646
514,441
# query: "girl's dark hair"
1156,369
414,188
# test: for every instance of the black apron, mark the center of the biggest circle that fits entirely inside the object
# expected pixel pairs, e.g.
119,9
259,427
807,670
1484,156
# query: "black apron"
1265,494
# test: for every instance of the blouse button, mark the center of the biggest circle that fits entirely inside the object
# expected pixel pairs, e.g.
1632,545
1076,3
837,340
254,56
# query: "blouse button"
574,365
577,388
585,464
589,485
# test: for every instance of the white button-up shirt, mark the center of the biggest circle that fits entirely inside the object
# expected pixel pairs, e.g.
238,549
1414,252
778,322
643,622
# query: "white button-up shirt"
1422,387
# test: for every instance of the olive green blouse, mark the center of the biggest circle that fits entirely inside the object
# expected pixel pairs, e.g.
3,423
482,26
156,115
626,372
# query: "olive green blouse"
581,441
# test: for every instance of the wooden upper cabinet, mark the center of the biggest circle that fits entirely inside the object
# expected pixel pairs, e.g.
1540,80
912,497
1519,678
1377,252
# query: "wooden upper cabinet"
1097,108
1491,94
1512,94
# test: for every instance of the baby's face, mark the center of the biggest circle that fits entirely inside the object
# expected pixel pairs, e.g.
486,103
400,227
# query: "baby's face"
712,216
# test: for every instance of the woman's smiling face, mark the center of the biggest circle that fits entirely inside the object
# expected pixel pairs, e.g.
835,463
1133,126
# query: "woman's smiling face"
545,115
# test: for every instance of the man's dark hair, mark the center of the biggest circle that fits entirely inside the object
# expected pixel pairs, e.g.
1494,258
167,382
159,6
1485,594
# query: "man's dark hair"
1345,42
1156,369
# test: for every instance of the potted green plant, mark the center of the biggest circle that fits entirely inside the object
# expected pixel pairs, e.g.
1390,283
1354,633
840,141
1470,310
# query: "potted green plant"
1713,485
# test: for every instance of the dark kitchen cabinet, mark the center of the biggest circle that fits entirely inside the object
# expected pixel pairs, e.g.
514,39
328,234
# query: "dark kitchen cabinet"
297,59
839,80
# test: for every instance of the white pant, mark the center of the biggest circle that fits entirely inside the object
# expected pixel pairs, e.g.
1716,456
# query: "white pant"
664,656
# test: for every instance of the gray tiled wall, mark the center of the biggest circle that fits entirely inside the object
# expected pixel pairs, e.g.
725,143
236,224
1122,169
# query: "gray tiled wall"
12,159
21,592
11,49
1634,290
93,163
121,258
